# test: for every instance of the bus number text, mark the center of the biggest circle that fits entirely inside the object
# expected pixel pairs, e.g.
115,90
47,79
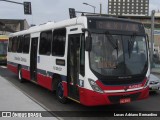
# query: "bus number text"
57,68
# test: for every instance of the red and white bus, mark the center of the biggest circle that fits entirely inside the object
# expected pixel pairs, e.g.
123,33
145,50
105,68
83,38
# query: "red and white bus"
92,60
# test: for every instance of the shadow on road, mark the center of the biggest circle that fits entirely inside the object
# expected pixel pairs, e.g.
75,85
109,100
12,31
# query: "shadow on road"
154,93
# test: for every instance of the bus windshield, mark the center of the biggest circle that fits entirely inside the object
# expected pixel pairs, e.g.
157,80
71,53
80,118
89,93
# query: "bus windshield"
3,47
118,55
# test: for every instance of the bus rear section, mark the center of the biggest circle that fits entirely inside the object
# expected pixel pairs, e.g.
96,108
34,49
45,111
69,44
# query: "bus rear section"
92,60
3,49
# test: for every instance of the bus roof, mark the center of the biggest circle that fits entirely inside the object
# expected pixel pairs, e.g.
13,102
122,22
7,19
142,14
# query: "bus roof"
65,23
112,18
51,25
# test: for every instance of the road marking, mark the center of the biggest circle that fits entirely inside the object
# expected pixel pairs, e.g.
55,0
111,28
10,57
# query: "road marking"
3,66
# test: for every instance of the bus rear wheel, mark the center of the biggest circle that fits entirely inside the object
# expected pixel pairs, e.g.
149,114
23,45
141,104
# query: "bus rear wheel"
20,75
60,93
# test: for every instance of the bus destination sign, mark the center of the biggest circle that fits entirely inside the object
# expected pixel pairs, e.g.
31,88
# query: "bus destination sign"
117,26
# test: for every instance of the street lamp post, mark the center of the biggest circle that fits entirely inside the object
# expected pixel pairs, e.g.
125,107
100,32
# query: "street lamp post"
91,6
152,37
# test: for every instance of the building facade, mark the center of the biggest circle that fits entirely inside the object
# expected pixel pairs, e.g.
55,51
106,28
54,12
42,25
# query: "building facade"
12,25
128,7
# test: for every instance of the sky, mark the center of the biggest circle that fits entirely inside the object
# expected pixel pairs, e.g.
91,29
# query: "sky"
55,10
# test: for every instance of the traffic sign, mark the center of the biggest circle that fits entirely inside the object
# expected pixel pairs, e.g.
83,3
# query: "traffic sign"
27,8
72,13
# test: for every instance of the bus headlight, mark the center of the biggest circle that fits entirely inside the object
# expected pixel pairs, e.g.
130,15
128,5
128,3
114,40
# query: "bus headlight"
94,86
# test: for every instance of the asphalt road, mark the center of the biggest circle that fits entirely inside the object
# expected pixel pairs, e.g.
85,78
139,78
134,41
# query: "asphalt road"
47,99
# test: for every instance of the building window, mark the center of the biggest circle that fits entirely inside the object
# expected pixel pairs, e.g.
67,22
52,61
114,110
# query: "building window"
129,4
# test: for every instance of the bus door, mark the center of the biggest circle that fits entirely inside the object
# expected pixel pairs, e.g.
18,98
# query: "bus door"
33,59
73,65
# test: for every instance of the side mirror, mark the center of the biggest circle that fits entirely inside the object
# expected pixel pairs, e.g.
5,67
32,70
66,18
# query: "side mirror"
147,38
88,44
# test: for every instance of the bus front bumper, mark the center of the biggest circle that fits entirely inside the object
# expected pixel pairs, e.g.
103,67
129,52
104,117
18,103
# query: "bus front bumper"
92,98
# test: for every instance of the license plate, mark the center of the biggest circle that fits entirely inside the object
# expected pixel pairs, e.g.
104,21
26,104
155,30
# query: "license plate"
125,100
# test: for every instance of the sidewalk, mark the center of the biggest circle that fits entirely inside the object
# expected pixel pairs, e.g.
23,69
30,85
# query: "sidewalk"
12,99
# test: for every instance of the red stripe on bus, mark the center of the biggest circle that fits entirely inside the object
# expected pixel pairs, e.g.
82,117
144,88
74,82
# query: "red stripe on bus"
25,74
12,68
44,81
65,86
92,98
144,94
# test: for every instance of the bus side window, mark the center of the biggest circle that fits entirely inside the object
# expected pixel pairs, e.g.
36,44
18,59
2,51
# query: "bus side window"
26,44
14,44
20,44
45,43
58,43
10,45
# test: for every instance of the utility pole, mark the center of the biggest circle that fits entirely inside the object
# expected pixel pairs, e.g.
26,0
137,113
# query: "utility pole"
90,6
152,37
100,6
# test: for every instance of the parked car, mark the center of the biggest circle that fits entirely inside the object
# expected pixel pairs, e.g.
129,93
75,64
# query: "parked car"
154,83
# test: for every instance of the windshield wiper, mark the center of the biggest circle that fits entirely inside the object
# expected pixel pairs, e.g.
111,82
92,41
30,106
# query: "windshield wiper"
131,44
113,42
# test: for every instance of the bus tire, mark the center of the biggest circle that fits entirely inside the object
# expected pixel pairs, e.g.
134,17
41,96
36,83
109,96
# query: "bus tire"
21,80
60,92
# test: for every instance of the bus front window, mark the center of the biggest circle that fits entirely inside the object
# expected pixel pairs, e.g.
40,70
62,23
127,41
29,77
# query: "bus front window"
118,55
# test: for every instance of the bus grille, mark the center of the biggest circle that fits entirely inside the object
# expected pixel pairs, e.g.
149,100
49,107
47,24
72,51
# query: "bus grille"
123,81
